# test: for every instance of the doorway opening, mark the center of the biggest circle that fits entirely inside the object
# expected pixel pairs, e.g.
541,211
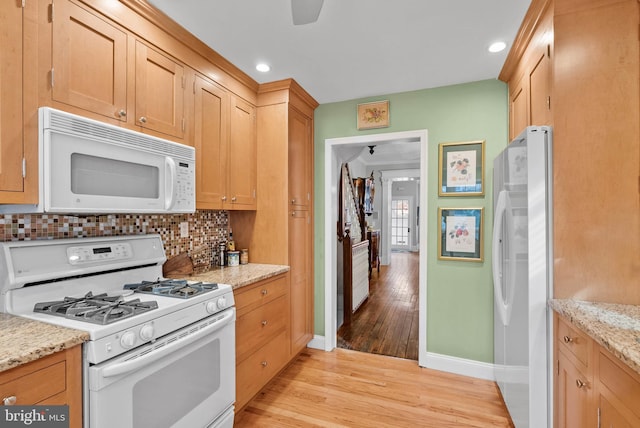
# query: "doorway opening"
336,151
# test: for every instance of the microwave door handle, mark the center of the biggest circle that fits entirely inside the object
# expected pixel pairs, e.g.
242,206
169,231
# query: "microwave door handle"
169,182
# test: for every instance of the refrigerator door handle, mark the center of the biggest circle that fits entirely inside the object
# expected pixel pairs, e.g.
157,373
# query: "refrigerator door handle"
503,208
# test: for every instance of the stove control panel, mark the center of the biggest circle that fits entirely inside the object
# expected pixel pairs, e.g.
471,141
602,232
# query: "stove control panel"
97,253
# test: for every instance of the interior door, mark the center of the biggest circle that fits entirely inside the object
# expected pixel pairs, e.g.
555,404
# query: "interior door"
400,224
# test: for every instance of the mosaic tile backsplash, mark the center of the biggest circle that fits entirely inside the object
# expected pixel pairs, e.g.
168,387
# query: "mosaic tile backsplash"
207,228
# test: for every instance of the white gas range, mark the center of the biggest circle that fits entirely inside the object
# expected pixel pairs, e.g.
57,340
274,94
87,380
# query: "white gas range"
148,336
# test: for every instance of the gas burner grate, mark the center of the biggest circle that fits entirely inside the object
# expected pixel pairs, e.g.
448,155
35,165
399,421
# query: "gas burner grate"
99,309
179,288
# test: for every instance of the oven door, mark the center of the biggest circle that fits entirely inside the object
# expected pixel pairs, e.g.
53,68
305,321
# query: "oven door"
184,379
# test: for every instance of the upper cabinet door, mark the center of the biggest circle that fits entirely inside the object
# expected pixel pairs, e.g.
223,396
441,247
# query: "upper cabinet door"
300,160
241,155
11,120
89,62
160,83
211,116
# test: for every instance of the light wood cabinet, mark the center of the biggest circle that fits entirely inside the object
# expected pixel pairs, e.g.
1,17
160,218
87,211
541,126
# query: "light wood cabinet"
55,379
281,229
11,120
241,189
575,65
159,92
100,67
593,388
574,377
210,138
224,136
262,335
530,79
17,72
88,61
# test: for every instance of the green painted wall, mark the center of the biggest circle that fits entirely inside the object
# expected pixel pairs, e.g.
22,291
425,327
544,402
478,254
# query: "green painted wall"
460,294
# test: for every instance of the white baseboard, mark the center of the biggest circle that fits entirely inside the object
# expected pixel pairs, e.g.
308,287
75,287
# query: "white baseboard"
461,366
445,363
318,342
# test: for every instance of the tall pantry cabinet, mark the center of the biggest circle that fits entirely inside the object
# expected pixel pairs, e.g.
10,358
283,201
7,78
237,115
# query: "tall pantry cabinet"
280,231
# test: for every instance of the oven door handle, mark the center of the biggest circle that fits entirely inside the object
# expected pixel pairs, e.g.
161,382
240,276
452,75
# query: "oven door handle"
137,363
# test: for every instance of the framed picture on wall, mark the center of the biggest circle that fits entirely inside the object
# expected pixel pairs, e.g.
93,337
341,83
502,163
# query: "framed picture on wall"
373,115
461,234
461,169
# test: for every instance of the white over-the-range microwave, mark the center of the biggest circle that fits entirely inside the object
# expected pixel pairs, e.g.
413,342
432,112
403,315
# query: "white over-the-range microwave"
87,166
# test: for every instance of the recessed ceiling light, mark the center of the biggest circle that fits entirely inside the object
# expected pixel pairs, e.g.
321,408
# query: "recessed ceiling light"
497,47
262,67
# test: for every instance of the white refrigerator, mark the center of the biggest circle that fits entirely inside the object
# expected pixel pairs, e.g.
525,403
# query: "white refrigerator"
522,276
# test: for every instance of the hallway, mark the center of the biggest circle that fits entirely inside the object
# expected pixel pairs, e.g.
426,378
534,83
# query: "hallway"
387,323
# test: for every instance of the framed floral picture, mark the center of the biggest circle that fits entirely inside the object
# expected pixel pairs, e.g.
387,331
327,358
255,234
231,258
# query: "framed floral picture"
373,115
461,234
461,169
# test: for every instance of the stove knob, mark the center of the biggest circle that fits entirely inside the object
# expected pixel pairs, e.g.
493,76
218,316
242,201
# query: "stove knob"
222,302
128,339
211,307
146,332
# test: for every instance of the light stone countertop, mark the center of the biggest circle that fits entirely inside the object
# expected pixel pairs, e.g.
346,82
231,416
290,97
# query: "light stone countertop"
23,340
239,276
614,326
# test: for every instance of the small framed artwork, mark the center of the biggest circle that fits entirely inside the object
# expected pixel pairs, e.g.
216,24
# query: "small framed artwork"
373,115
461,171
461,234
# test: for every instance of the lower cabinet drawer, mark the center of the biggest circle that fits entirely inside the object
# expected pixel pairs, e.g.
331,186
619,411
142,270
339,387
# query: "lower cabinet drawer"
36,386
258,369
574,341
257,327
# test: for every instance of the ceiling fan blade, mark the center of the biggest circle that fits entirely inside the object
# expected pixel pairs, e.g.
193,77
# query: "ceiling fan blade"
305,11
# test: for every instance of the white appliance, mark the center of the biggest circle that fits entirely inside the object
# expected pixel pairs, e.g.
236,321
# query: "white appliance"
86,166
522,276
161,353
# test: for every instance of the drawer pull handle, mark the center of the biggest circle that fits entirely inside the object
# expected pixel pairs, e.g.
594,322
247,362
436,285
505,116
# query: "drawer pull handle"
9,401
580,384
264,323
264,364
264,291
567,339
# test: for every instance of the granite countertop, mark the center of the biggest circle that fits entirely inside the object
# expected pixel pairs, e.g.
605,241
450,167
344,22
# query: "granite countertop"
614,326
239,276
23,340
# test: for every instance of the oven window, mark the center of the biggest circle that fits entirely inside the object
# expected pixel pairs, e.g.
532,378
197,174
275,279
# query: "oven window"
92,175
168,394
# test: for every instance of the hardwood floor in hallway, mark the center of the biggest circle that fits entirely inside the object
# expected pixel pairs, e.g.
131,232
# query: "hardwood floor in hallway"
387,323
353,389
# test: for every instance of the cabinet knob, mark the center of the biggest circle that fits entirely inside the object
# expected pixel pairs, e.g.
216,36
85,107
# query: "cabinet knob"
264,364
293,213
224,198
233,199
293,201
264,291
580,384
264,323
9,401
122,113
567,339
143,119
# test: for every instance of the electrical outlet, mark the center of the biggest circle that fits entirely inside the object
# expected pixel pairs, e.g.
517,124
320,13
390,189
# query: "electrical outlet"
184,229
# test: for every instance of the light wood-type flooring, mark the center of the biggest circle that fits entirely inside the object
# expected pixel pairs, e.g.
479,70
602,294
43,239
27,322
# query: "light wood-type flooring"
387,322
346,388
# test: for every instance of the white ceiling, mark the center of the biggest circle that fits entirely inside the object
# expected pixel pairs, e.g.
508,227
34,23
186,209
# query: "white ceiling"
357,48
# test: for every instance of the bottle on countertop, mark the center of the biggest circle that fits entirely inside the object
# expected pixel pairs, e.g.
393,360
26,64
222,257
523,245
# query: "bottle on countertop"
231,244
222,248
